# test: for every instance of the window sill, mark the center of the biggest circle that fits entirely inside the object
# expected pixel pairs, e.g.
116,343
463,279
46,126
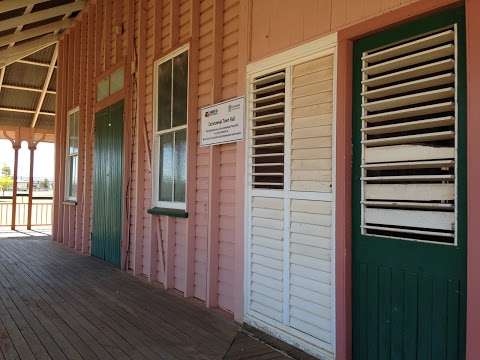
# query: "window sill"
69,202
168,212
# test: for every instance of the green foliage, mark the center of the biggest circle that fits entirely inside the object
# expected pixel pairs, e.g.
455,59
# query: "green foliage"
6,171
6,183
45,184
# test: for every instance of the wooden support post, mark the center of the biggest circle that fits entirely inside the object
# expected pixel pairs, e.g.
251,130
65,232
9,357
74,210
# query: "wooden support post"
192,150
244,57
16,146
140,143
32,147
82,94
59,159
89,118
214,171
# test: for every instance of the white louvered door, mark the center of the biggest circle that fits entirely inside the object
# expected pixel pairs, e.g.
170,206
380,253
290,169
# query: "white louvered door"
290,245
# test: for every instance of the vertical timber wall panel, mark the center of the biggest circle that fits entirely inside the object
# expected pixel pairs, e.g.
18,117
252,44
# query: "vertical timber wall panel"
281,24
83,55
205,78
226,238
159,247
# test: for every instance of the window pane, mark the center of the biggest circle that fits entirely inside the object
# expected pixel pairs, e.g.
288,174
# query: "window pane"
116,81
165,181
73,123
180,164
103,89
180,81
72,186
164,95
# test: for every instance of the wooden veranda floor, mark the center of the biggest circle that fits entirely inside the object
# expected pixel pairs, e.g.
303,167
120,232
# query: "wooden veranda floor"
55,304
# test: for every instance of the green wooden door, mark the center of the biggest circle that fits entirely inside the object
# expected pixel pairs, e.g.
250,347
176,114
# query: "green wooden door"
409,192
107,184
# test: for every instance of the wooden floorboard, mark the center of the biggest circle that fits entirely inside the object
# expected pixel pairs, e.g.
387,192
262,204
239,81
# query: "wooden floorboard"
55,304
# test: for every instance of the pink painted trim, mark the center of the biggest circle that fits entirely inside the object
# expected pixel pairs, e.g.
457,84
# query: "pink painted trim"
140,233
240,186
213,227
343,198
90,67
473,149
192,150
169,247
214,170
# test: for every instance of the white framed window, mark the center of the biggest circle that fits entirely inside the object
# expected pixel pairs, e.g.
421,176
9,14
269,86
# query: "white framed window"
170,129
71,154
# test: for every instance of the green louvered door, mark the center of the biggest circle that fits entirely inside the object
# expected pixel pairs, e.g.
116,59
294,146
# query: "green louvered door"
107,184
409,192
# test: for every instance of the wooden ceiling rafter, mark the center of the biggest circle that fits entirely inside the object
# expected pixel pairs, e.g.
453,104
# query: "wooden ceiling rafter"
45,86
23,37
41,15
9,5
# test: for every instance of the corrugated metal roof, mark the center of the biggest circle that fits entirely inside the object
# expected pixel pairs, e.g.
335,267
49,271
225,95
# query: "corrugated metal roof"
45,122
18,99
30,77
53,81
8,118
25,75
49,103
44,55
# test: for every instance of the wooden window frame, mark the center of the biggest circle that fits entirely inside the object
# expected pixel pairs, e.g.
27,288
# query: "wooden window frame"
68,156
158,133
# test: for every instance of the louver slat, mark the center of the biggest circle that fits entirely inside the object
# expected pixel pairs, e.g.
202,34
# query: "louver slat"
409,73
267,131
408,139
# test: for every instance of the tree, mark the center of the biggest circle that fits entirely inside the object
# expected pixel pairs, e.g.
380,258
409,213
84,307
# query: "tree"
45,184
6,171
6,183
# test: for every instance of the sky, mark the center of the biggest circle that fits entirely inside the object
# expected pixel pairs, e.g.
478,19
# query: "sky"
43,164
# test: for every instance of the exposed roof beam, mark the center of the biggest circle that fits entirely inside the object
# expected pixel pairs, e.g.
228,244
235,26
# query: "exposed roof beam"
26,88
9,5
2,76
36,63
26,111
15,53
34,32
41,15
45,87
19,28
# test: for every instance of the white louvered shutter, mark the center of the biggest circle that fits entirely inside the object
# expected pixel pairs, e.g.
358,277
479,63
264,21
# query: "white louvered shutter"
409,139
268,118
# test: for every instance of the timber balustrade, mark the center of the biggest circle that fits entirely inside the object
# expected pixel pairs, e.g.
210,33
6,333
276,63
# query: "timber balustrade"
41,214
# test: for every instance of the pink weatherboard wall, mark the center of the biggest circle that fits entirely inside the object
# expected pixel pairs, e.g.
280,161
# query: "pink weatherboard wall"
203,254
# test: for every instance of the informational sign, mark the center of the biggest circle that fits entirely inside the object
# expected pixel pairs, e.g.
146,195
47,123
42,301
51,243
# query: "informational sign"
223,122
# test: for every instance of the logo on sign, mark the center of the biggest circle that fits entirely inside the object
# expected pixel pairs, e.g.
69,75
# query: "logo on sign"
211,112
